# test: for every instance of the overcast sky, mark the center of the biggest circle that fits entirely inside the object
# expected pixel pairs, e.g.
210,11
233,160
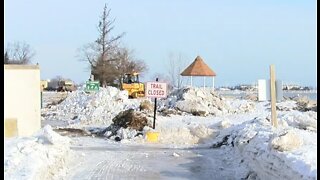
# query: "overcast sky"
237,39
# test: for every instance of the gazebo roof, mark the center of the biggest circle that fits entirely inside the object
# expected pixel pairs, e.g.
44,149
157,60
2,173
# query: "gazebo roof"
198,68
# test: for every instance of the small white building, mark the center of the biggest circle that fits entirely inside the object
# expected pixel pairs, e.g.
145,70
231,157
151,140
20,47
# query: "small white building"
22,100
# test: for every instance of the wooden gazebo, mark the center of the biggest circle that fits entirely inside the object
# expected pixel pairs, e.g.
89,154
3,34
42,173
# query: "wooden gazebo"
199,68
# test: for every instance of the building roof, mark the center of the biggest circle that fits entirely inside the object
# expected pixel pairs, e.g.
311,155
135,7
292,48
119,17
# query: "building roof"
198,68
21,66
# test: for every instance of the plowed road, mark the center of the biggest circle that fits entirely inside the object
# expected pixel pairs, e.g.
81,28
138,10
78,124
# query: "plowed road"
105,160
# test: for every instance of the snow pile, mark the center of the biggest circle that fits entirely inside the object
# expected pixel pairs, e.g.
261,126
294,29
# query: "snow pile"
48,136
50,98
81,108
301,120
127,133
287,105
259,143
199,101
185,135
286,142
177,135
37,157
302,104
306,104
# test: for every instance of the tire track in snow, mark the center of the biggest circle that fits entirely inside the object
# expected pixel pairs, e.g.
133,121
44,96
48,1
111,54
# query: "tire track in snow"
115,166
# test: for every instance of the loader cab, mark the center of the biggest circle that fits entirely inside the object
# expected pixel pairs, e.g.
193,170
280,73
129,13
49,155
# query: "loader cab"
130,78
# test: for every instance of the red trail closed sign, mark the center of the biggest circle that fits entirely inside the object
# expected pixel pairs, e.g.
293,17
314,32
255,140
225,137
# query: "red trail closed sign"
156,90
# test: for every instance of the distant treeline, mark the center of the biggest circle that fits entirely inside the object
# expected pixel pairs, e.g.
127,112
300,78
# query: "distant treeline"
245,87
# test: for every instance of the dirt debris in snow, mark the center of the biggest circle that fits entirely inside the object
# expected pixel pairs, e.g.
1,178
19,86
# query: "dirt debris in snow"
131,119
170,111
306,104
127,124
146,105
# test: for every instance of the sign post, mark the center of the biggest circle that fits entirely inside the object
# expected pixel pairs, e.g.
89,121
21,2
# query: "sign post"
155,111
156,90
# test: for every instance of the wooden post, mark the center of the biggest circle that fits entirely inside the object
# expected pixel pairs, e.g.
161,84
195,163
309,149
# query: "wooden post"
274,120
204,82
191,80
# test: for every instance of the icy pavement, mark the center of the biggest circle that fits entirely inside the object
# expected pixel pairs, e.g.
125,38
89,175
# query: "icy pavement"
100,159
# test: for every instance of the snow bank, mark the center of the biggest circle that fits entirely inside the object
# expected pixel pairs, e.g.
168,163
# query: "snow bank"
190,135
302,104
301,120
37,157
287,105
253,140
199,101
81,108
286,142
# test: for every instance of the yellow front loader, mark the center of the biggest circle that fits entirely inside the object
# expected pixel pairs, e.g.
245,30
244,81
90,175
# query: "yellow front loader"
131,83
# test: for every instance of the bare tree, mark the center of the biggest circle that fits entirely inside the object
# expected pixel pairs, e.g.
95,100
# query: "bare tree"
175,66
126,62
109,62
122,62
6,58
105,72
100,53
18,53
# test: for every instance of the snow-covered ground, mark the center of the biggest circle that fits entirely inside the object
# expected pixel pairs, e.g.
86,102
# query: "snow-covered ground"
230,138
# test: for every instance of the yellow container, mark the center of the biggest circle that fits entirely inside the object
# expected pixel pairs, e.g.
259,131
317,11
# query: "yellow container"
11,129
152,136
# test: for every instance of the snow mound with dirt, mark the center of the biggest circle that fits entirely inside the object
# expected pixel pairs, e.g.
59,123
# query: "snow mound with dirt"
37,157
97,108
203,102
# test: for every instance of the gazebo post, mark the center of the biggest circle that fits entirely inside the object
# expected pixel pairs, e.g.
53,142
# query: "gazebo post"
213,82
191,80
204,82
